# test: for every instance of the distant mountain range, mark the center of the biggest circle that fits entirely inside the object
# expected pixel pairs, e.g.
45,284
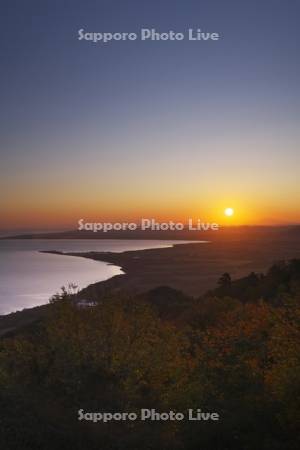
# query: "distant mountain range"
238,232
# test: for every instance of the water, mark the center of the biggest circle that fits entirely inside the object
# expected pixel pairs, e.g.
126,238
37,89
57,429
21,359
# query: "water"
29,278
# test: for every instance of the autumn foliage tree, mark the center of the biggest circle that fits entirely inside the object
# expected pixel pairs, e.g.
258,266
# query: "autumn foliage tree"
237,357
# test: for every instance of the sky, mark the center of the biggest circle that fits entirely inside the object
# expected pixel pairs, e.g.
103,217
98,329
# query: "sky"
163,129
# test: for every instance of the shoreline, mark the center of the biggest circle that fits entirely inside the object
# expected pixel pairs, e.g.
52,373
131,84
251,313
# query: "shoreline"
193,268
30,278
111,259
107,271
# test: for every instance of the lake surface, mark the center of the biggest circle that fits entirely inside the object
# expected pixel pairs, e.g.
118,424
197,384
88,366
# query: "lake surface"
29,278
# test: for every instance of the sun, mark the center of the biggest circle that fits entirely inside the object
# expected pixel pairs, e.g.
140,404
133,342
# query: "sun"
229,212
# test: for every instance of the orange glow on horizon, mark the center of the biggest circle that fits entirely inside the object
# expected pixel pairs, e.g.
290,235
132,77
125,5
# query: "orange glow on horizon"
57,216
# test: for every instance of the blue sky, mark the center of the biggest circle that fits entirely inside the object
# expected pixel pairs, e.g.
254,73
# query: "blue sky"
166,128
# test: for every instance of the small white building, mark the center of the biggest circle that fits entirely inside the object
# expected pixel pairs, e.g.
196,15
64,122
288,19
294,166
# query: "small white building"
83,303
